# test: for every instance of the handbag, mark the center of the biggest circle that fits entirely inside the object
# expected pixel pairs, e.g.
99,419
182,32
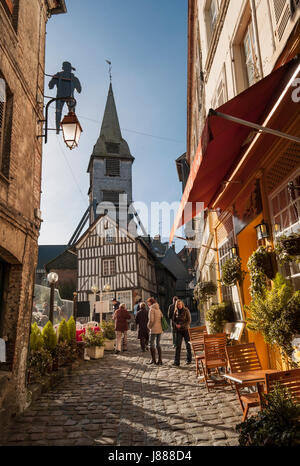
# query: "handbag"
164,323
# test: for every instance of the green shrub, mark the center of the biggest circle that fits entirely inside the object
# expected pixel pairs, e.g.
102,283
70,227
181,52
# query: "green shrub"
63,332
92,338
276,315
49,337
218,315
39,363
71,329
36,339
109,329
276,425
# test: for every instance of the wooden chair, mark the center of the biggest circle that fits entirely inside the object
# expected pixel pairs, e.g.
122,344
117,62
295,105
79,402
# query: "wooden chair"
287,379
214,357
196,335
244,358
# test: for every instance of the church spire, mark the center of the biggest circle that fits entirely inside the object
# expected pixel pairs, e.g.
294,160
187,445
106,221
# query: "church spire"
110,129
110,141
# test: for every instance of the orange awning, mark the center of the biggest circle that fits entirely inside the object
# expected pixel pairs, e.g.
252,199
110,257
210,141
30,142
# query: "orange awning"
224,142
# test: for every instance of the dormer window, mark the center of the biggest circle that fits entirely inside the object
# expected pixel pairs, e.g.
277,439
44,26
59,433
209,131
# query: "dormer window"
112,167
112,147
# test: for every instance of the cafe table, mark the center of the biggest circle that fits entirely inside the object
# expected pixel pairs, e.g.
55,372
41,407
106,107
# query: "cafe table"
256,377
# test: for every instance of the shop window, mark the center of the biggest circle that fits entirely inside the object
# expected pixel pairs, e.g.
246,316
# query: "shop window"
6,110
224,255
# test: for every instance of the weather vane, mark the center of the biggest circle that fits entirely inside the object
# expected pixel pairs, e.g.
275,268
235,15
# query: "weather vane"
109,63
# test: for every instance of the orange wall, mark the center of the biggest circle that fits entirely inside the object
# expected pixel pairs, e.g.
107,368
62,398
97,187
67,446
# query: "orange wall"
247,243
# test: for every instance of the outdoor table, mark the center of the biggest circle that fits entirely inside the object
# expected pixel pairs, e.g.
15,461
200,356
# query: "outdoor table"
256,377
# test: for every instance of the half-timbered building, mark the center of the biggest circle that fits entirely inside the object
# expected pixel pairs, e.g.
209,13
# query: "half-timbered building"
109,255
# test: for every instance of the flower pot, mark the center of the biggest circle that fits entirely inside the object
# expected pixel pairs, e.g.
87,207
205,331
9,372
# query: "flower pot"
109,345
95,352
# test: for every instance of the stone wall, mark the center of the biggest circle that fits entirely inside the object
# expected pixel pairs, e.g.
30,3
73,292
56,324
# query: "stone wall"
22,55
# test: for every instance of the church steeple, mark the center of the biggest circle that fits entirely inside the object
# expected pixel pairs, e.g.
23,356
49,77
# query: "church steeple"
110,165
110,141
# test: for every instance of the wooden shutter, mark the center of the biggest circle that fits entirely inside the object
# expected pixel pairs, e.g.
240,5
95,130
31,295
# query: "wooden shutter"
281,14
112,167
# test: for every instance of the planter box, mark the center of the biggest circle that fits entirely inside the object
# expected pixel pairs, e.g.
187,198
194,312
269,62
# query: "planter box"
109,345
95,352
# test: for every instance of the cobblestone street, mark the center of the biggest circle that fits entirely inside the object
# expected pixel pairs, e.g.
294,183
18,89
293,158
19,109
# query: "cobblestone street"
120,400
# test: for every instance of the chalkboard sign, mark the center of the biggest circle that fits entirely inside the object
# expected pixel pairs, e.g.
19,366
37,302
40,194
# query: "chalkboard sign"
83,309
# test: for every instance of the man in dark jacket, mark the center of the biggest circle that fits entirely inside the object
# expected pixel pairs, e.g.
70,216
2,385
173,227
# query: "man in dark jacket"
182,320
171,310
116,304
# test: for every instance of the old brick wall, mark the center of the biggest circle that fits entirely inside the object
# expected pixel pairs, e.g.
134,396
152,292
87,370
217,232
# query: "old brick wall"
22,55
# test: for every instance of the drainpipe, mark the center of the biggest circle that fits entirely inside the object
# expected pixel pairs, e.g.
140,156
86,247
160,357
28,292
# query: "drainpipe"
254,21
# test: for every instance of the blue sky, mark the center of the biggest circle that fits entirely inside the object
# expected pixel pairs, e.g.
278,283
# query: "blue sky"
146,41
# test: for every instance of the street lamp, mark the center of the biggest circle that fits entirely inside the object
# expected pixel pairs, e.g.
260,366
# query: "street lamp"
262,231
52,278
71,129
234,251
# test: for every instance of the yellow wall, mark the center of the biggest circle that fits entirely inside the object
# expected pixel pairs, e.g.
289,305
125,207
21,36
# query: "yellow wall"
247,243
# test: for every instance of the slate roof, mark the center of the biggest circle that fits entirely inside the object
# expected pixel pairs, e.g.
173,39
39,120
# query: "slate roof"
111,133
65,260
47,253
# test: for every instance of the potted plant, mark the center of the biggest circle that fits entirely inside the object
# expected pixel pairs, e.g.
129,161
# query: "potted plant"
276,425
232,272
94,342
218,315
109,334
275,313
203,291
287,248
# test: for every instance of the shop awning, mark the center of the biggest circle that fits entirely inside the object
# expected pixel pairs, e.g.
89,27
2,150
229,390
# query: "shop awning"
224,142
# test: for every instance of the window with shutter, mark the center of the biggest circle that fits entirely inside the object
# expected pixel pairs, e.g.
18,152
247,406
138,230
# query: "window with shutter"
112,167
111,196
281,15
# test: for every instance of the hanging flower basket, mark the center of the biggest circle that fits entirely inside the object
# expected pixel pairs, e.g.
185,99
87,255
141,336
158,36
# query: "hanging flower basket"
204,290
232,272
292,245
288,248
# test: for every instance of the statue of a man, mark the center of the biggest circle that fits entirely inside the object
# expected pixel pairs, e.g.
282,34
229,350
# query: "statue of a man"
66,83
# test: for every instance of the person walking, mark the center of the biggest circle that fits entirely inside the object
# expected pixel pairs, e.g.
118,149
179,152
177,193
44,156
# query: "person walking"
155,327
182,320
171,310
121,317
141,321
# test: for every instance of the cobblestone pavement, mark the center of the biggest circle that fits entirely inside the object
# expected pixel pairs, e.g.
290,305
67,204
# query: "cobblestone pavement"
120,400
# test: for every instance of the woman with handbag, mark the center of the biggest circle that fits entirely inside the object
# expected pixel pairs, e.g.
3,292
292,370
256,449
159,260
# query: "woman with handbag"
182,320
155,326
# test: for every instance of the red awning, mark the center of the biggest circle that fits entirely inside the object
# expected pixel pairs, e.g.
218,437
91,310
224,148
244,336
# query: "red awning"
222,143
